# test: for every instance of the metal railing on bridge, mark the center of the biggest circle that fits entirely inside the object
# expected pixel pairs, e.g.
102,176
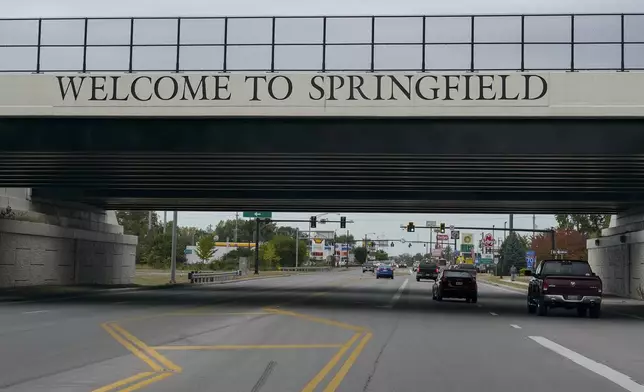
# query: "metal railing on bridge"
211,277
324,43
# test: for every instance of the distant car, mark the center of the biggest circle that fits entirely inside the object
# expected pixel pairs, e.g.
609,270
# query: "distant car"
427,271
403,265
569,284
455,283
385,271
368,267
469,267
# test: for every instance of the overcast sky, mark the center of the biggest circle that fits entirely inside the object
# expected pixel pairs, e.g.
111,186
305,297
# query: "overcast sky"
384,225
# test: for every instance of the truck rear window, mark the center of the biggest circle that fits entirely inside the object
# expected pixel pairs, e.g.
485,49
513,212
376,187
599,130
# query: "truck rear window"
568,268
457,274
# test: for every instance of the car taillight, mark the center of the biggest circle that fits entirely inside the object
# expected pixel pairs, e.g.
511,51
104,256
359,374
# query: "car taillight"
418,269
545,285
436,270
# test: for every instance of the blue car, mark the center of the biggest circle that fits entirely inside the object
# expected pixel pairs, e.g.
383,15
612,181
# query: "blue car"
385,271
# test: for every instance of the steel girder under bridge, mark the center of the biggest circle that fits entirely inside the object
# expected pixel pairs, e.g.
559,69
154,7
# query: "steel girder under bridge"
312,164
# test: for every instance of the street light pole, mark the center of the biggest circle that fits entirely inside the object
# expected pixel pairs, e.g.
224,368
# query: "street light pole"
173,259
297,244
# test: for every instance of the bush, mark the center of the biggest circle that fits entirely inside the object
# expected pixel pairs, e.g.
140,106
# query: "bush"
522,271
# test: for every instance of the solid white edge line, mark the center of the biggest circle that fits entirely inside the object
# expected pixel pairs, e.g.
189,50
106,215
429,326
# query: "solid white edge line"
618,378
35,311
515,326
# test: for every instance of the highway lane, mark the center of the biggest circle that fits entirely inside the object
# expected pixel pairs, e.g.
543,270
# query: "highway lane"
339,331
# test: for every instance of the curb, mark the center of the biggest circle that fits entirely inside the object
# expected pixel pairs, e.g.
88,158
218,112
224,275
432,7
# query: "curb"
516,289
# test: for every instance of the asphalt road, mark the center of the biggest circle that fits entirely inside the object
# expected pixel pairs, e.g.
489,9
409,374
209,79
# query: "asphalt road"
339,331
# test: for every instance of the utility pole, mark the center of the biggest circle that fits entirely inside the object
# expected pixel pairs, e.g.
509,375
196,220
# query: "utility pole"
149,221
297,244
257,248
534,224
511,223
236,220
173,259
165,221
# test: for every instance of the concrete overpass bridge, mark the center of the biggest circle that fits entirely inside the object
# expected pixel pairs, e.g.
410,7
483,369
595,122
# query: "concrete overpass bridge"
514,113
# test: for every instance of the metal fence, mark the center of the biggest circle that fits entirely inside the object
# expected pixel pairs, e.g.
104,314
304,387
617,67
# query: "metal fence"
326,44
210,277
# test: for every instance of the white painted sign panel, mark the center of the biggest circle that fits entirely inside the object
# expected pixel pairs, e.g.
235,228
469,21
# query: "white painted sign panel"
325,94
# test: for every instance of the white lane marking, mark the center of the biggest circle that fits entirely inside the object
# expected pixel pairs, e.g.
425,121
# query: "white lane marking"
493,314
35,311
398,294
618,378
515,326
630,315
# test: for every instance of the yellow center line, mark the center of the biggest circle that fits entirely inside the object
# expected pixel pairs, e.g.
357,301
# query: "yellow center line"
315,319
133,349
335,382
249,347
315,381
147,349
147,382
124,381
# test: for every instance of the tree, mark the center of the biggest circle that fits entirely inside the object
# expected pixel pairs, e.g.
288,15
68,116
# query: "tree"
512,253
343,239
205,248
360,253
268,254
448,253
136,222
589,225
418,257
285,249
381,255
225,230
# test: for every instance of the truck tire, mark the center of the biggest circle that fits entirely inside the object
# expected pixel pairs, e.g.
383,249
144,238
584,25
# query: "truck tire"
595,312
532,308
475,299
581,311
542,309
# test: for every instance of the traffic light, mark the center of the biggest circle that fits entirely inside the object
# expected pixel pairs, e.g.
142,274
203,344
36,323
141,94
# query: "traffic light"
442,230
410,227
343,222
314,221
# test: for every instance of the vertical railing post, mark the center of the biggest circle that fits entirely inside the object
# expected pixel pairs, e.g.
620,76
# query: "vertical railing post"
225,64
85,46
572,42
178,62
131,45
273,45
623,60
373,42
38,45
424,41
522,43
472,38
324,44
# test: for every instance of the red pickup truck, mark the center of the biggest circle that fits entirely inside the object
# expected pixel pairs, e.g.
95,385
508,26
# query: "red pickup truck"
569,284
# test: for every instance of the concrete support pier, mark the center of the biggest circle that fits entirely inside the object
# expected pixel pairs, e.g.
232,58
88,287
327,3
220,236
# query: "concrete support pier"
618,255
50,242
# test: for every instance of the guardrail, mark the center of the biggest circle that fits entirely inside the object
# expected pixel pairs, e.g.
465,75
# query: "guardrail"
306,269
209,277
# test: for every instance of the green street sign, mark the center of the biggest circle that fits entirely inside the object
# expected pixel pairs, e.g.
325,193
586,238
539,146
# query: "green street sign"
257,214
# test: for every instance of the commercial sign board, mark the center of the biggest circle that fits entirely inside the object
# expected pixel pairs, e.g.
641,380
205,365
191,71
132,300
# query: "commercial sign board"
468,239
442,237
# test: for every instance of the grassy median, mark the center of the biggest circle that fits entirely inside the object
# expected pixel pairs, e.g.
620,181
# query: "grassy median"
496,280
